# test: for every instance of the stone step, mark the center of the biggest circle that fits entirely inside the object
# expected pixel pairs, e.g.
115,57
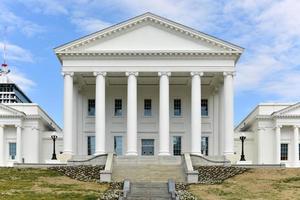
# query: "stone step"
145,160
149,191
148,173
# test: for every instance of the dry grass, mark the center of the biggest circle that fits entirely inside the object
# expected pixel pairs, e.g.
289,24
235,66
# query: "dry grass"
255,184
45,184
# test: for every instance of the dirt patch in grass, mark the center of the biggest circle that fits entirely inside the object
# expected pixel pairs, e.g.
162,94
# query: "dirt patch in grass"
254,184
45,184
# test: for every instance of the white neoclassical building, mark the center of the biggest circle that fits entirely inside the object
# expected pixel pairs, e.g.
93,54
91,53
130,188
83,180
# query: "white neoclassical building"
272,134
148,86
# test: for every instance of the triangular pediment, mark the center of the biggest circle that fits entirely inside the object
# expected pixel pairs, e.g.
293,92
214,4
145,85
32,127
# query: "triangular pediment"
293,110
148,32
8,111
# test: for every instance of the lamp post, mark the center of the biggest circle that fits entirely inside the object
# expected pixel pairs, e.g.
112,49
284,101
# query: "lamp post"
243,138
54,137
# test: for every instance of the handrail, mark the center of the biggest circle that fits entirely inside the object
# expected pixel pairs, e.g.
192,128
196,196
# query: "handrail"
172,189
87,160
213,161
126,188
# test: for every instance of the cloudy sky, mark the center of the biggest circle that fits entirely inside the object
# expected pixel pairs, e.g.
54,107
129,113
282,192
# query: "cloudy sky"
269,30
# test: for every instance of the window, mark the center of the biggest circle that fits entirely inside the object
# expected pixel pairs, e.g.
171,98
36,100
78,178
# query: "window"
147,107
177,145
91,107
204,107
284,152
204,146
118,145
147,147
299,151
91,145
177,107
12,150
118,107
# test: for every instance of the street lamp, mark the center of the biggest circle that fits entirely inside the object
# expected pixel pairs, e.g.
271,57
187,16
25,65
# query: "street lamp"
54,137
243,138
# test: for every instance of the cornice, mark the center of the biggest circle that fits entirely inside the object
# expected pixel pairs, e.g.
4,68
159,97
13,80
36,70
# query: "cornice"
148,53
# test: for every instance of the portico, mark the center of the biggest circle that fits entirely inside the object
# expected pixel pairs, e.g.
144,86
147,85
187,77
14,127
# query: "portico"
150,81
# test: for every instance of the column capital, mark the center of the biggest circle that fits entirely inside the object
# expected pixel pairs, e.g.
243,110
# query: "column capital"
228,73
18,126
2,125
296,126
278,126
131,73
164,73
67,73
197,73
99,73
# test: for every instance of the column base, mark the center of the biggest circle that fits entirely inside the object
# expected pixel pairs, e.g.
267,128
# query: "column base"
99,153
132,153
164,154
197,153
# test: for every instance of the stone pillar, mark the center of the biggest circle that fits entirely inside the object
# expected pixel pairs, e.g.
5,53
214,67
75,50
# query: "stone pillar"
100,113
277,144
35,141
19,143
68,112
164,129
228,111
216,128
196,112
132,113
1,145
296,145
259,146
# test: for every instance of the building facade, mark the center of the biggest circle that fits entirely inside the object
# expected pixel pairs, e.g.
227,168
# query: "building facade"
25,134
272,132
148,86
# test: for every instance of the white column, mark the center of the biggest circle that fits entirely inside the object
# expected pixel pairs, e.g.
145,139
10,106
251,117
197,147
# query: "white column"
19,143
35,146
164,129
1,145
196,112
68,112
259,146
296,145
132,113
277,144
216,137
228,111
100,113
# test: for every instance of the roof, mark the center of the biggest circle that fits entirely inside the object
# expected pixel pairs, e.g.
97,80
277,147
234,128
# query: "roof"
74,45
13,108
257,113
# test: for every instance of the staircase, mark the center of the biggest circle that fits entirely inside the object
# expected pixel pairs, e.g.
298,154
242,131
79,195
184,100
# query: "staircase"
149,191
149,169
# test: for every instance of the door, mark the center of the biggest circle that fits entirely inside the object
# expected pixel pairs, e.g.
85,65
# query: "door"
118,145
147,147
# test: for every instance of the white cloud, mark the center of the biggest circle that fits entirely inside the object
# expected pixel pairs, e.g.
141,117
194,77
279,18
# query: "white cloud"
17,23
16,53
21,80
89,25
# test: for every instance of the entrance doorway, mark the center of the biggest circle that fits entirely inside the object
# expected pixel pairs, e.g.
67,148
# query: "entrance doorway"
147,147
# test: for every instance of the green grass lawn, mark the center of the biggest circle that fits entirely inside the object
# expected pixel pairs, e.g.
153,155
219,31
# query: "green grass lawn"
16,183
264,184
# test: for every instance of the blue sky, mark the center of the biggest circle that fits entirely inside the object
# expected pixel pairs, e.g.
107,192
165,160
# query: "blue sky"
268,71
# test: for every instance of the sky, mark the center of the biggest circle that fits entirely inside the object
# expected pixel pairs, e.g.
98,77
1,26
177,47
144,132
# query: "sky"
269,30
